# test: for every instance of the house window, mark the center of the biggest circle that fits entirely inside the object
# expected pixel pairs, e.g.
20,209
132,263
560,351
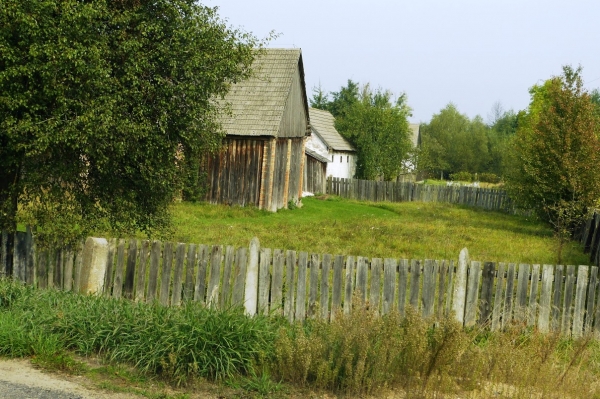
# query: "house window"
332,160
348,158
341,159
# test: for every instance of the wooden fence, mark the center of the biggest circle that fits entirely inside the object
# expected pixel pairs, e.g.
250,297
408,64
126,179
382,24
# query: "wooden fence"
298,285
590,238
377,191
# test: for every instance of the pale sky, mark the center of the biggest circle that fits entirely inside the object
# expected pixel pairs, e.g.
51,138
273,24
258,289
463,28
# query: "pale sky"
473,53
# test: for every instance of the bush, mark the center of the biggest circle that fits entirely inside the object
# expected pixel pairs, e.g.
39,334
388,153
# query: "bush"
489,178
461,176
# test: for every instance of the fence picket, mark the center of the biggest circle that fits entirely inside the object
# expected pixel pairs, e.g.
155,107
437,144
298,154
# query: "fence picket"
276,302
336,298
140,282
178,275
165,277
545,296
389,284
324,294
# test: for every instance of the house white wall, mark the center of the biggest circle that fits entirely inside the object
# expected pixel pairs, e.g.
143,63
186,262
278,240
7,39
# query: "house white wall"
343,164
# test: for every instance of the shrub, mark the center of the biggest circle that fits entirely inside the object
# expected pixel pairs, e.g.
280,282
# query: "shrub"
462,176
489,178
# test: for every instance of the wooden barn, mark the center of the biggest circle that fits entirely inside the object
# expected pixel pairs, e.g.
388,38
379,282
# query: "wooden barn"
262,159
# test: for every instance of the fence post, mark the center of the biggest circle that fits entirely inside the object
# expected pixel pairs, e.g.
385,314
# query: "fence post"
251,291
95,254
460,286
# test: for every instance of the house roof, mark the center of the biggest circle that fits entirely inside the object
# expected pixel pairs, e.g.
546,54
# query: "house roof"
258,103
415,134
315,155
322,123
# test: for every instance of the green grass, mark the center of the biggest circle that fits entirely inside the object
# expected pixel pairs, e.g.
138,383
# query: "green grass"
412,230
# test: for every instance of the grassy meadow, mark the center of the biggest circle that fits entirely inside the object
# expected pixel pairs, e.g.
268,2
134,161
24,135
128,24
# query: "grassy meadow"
412,230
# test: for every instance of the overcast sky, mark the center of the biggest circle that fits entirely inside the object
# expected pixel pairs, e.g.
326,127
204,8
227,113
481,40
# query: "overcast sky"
473,53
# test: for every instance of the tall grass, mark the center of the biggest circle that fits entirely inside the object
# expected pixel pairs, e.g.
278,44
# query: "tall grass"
176,342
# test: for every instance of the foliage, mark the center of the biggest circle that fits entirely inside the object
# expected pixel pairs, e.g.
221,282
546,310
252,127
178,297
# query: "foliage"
100,102
489,178
451,143
377,127
556,153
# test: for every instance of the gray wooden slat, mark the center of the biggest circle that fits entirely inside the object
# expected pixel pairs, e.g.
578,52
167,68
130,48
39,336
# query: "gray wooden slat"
19,257
459,295
78,267
520,312
580,293
225,300
324,294
402,285
487,293
349,284
110,267
190,267
130,269
290,287
336,297
389,284
555,322
214,282
449,288
42,270
200,286
375,288
498,298
69,261
140,275
264,280
508,295
472,294
415,283
178,274
153,273
591,299
313,284
119,270
545,299
443,272
428,294
165,275
59,269
301,286
52,254
276,304
567,313
533,295
4,253
362,269
251,289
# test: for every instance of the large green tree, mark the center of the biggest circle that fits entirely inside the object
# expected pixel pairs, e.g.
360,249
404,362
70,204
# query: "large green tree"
106,105
378,128
556,153
451,142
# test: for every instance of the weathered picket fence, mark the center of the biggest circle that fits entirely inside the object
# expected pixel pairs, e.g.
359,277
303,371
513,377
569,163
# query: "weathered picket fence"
590,238
377,191
298,285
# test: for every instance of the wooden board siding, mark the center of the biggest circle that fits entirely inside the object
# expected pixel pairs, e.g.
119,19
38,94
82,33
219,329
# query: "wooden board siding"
314,175
294,122
234,175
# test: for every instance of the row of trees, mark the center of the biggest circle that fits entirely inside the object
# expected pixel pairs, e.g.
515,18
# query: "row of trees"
374,123
100,99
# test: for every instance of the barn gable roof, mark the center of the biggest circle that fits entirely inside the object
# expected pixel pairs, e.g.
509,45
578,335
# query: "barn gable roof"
258,103
323,124
415,130
316,155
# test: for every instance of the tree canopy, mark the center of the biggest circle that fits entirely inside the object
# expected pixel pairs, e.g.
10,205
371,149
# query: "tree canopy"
556,153
103,105
376,126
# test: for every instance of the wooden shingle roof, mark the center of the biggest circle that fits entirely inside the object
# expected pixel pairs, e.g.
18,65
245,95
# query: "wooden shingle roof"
322,123
258,103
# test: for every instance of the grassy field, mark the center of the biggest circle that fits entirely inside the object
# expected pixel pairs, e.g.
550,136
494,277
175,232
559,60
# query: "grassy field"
401,230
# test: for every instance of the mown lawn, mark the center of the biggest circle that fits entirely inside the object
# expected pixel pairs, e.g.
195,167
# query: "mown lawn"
400,230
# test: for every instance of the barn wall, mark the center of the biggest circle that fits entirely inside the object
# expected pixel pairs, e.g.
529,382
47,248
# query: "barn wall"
314,175
294,120
234,174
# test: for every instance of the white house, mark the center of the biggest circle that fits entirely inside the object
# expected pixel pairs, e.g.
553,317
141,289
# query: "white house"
328,143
